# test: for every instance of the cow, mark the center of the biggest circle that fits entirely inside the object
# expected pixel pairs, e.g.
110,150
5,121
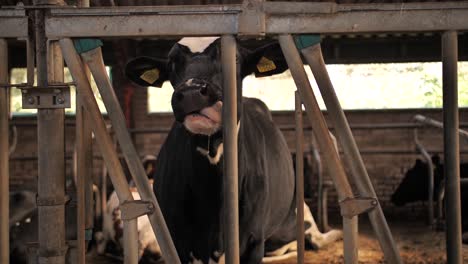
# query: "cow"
415,183
189,169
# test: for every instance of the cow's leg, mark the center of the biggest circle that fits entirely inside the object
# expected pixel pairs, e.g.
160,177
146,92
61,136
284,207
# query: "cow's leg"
254,248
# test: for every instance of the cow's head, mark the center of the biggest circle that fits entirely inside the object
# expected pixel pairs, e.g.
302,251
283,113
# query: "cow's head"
414,185
193,66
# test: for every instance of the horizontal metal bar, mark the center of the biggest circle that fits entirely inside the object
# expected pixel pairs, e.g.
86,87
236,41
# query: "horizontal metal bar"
13,23
297,18
432,122
141,25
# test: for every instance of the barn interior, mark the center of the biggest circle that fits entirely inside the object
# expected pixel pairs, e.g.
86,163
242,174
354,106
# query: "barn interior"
385,136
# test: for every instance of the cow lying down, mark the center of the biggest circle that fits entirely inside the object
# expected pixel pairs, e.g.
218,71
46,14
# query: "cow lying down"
189,169
147,243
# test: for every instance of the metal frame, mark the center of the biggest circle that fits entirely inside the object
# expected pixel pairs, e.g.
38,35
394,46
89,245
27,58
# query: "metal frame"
279,18
4,156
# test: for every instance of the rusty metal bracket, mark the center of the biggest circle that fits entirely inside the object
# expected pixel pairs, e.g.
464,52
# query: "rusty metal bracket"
52,96
351,207
252,19
134,209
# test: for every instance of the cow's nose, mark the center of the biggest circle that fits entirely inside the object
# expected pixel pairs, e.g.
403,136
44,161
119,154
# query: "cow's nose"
191,99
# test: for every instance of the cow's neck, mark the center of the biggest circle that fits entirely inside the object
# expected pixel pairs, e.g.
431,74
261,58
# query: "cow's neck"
212,147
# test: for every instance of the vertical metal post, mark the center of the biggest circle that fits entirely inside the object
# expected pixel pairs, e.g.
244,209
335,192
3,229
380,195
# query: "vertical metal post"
314,58
105,144
4,160
84,182
231,198
320,129
95,63
451,146
51,158
430,180
321,194
299,180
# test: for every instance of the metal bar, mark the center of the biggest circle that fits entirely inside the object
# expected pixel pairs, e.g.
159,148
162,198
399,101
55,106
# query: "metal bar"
430,175
51,160
321,210
230,169
14,23
4,159
451,146
105,144
429,121
80,181
93,59
223,19
299,180
325,143
314,58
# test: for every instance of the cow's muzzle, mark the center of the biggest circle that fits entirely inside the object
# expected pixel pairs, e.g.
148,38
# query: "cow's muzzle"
192,96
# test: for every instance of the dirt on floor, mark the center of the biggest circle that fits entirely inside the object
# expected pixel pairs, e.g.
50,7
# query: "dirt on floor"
418,244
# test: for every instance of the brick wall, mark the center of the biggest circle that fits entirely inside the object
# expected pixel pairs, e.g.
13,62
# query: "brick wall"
387,152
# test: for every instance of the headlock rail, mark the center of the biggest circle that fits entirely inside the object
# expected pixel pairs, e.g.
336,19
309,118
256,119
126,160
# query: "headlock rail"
254,18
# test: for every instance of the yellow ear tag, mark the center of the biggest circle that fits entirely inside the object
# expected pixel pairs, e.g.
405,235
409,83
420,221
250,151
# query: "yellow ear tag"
265,65
150,76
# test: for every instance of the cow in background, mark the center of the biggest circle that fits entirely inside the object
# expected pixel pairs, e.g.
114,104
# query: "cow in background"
415,183
189,174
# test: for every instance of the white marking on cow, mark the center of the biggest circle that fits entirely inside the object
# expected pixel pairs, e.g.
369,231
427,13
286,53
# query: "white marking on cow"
213,160
317,238
189,82
197,44
146,238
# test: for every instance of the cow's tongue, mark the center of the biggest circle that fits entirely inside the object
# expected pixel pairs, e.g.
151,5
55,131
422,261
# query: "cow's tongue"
205,122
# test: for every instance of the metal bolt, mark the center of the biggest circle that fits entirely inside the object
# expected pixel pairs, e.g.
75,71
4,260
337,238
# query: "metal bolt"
24,91
60,100
150,206
374,202
31,100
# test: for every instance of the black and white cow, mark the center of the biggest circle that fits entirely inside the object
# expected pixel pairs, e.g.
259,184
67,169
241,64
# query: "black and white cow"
188,178
414,187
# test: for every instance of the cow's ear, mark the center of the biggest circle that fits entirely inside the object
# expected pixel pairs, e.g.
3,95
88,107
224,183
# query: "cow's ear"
146,71
265,60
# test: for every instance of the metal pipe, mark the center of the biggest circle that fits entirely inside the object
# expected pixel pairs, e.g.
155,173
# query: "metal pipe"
429,121
230,169
325,143
314,58
321,210
104,142
93,59
299,180
430,175
51,160
451,146
4,154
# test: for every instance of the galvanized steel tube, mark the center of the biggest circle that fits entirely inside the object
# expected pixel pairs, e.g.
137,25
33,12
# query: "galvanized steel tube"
430,175
105,144
451,146
299,180
51,157
320,129
4,159
314,58
93,59
231,196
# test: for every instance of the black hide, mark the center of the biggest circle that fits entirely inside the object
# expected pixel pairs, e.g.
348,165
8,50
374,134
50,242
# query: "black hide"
414,186
189,189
